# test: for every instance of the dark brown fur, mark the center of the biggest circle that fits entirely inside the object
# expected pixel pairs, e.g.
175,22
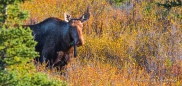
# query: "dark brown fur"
63,57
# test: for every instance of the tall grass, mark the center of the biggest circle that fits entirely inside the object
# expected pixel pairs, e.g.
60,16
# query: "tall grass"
138,43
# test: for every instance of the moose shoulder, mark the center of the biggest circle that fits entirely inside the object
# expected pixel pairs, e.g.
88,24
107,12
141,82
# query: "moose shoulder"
55,35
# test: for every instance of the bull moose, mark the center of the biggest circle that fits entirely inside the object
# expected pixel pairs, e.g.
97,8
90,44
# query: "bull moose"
54,35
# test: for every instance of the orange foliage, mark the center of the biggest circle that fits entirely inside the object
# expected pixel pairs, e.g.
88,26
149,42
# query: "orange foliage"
118,40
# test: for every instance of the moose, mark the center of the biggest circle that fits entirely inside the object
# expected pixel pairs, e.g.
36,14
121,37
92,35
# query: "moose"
54,35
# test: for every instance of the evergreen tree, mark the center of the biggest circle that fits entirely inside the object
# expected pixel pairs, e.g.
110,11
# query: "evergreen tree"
16,43
169,4
116,2
17,49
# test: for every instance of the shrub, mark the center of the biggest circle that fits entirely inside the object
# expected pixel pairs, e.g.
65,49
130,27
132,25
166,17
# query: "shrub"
17,50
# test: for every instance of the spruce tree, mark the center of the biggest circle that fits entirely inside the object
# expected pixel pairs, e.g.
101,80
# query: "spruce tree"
16,43
17,49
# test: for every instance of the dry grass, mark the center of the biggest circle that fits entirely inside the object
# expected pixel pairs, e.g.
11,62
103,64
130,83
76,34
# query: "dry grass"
120,44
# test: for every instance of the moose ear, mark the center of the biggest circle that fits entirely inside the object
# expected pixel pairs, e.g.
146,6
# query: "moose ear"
85,16
67,17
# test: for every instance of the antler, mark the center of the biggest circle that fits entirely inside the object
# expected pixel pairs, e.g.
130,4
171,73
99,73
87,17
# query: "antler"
88,9
86,15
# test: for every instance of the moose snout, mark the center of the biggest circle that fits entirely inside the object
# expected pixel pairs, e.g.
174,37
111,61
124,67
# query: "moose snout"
80,43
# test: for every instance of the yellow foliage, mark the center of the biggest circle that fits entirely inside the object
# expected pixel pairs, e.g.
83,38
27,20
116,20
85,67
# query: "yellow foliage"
120,44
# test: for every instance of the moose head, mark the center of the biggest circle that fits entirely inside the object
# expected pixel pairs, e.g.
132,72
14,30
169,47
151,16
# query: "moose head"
76,26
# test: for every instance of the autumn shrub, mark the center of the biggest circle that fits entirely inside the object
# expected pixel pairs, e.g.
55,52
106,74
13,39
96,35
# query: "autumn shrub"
137,43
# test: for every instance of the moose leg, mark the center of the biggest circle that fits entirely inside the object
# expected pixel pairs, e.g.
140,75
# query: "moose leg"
46,54
65,60
60,55
43,58
67,57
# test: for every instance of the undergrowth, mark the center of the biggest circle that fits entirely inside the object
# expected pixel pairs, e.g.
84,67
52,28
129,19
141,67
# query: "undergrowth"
138,43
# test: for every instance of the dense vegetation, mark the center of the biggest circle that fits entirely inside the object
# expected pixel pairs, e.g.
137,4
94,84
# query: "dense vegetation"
131,43
17,50
127,42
